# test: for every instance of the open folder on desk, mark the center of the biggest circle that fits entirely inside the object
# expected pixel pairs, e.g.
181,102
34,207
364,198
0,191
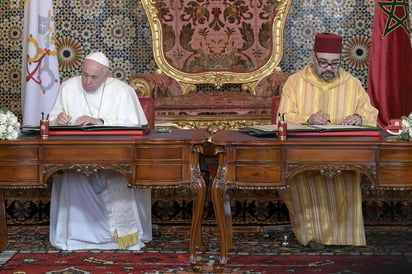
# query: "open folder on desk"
90,130
315,130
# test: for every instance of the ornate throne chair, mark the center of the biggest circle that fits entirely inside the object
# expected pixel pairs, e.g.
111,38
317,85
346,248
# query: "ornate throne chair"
217,61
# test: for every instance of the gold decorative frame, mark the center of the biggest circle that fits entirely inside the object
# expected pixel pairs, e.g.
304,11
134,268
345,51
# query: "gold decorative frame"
215,122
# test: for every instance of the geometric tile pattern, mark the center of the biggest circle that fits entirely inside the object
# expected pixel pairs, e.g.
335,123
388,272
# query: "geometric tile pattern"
120,29
248,207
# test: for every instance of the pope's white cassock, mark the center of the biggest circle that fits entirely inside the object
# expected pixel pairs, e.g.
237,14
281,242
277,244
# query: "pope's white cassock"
99,211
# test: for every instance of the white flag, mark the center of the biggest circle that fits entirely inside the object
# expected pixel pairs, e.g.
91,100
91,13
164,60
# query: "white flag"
40,70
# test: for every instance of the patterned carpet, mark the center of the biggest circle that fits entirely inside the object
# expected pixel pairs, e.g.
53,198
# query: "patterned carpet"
382,240
155,263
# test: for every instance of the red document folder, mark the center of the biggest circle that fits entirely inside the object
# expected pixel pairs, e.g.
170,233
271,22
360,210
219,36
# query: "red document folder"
336,133
97,132
316,130
90,130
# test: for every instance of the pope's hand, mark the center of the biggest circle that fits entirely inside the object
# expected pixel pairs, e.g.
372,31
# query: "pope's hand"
63,119
87,120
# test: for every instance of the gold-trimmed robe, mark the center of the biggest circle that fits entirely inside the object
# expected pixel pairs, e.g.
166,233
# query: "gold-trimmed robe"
322,209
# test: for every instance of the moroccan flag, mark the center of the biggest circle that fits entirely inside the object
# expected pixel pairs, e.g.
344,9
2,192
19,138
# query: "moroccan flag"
390,60
40,70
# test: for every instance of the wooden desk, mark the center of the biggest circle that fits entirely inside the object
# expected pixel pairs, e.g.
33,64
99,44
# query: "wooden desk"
263,163
31,161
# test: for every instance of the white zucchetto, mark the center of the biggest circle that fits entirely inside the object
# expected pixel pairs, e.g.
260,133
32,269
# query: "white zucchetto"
99,57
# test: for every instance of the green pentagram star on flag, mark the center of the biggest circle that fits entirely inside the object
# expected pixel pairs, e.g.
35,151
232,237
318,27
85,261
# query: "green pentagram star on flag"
397,15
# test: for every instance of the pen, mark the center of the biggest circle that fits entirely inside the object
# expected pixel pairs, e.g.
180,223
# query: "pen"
65,113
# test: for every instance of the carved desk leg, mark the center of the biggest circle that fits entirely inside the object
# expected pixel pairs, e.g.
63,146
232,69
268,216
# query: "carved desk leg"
198,187
221,205
3,224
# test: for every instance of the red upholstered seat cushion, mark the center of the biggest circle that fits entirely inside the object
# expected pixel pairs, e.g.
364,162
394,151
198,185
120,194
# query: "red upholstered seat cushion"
214,103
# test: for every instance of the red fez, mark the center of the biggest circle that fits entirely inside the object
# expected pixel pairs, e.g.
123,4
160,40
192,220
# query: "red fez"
328,43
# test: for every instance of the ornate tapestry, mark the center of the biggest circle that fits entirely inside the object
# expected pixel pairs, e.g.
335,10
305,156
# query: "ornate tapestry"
227,35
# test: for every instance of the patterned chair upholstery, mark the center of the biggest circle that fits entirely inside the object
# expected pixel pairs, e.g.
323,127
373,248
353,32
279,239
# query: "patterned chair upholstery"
147,104
275,107
217,61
